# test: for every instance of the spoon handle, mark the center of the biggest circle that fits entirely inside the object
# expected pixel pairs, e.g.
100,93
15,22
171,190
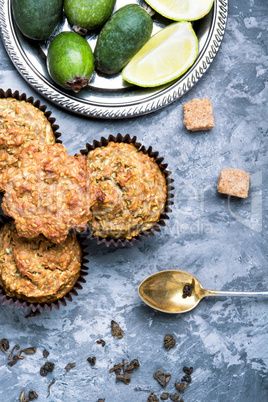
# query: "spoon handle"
209,292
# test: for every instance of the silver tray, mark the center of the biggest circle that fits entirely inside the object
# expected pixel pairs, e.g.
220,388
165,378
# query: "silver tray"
111,98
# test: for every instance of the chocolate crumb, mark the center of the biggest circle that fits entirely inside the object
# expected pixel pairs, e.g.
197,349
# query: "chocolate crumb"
45,353
169,341
123,366
117,367
117,332
162,378
12,350
180,386
22,397
125,378
32,395
188,289
13,361
27,351
69,367
4,345
188,370
187,378
164,396
174,397
101,342
50,385
134,364
152,398
48,367
91,360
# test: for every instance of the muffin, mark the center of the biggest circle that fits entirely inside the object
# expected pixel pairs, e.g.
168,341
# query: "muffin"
21,124
37,270
48,193
134,190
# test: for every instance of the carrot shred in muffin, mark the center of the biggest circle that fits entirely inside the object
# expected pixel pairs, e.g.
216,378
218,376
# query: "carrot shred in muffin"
48,193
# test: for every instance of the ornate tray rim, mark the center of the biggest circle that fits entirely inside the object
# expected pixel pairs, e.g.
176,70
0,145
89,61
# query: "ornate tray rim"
116,111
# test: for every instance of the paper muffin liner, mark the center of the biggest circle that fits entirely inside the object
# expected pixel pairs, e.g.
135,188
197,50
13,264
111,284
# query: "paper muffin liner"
12,301
163,167
36,103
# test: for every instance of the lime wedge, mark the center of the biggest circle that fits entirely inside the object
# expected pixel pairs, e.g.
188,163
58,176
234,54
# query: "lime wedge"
166,56
179,10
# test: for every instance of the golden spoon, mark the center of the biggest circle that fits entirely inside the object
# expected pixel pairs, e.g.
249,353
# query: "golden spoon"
178,291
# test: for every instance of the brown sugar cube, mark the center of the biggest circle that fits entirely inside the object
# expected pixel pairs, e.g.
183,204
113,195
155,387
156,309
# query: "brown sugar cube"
234,182
198,115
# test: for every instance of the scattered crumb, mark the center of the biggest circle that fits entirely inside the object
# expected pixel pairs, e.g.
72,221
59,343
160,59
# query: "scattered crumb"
117,332
101,342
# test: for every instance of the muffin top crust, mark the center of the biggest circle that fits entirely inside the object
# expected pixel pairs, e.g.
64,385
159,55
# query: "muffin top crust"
37,270
134,191
21,124
48,193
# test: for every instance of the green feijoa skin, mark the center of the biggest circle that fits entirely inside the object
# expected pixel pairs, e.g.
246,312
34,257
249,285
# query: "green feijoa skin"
121,38
86,15
37,19
70,61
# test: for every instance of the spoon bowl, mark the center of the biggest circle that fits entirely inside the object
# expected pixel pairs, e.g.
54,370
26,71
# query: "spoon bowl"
179,291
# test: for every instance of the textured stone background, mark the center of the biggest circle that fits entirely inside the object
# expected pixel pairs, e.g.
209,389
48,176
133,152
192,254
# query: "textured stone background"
223,244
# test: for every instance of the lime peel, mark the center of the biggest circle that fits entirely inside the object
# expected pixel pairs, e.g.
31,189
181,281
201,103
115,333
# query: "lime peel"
182,10
165,57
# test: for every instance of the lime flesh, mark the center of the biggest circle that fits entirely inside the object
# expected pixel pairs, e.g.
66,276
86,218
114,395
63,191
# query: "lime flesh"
165,57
